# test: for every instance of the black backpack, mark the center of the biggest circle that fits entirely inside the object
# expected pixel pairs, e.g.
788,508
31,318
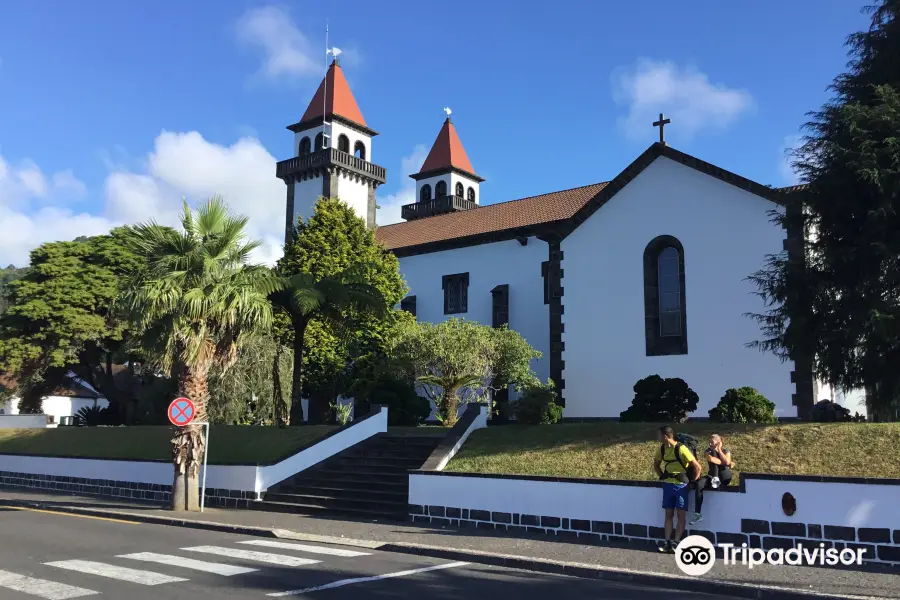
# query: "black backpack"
682,439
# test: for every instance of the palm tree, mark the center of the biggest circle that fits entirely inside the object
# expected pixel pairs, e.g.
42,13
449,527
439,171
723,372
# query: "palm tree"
192,309
304,298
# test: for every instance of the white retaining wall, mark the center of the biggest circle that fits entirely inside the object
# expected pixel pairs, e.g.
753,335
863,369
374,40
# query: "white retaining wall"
23,422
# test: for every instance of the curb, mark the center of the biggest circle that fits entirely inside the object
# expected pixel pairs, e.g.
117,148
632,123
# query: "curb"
541,565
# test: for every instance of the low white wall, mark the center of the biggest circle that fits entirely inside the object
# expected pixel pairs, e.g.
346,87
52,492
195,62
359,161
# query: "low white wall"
361,429
824,503
479,423
23,421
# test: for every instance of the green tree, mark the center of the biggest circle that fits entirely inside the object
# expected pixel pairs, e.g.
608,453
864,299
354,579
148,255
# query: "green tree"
841,305
743,405
193,308
658,400
60,317
457,361
335,245
7,276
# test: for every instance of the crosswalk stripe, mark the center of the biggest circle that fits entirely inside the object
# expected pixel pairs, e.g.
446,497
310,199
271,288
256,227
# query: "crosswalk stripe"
114,572
307,548
189,563
41,588
274,559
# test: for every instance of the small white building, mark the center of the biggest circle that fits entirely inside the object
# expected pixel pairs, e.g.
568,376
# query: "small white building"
62,404
642,274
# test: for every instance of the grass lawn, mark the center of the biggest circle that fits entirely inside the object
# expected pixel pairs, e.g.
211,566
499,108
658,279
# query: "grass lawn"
228,444
613,450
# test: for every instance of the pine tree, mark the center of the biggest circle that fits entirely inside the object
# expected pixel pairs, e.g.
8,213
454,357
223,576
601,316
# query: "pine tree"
842,304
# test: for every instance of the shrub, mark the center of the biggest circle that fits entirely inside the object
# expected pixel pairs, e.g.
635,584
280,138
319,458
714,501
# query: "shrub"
341,412
405,406
538,406
92,416
743,405
826,411
658,400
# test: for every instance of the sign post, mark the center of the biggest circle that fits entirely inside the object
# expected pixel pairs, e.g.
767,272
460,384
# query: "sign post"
181,413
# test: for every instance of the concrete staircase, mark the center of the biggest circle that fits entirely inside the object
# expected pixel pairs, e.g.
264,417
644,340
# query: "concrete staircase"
366,481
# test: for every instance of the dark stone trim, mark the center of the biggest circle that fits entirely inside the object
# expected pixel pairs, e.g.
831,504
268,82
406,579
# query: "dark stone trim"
657,345
371,206
754,526
789,529
444,171
566,226
317,121
802,375
554,274
821,478
450,439
330,180
874,535
500,306
452,278
522,240
289,223
839,532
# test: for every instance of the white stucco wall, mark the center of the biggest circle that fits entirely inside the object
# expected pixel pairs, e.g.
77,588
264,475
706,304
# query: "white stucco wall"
8,421
726,233
57,406
488,265
450,179
354,192
334,130
306,194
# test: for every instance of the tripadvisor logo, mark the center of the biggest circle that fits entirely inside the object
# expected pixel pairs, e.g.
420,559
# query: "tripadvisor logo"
696,555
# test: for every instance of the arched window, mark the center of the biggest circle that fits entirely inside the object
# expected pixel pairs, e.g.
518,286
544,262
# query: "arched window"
304,146
318,142
665,313
440,189
344,143
470,195
359,150
425,193
459,190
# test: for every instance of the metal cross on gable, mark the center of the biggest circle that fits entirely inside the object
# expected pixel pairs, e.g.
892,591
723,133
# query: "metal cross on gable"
662,124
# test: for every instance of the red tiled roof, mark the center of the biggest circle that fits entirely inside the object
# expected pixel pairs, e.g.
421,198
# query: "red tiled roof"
447,152
535,210
339,101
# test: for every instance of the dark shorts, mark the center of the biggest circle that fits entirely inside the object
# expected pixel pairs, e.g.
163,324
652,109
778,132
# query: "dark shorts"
675,495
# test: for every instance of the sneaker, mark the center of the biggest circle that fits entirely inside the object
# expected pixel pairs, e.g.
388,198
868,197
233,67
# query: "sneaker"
667,547
697,518
715,482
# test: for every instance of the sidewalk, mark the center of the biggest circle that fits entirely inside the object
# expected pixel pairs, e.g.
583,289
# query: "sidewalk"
619,563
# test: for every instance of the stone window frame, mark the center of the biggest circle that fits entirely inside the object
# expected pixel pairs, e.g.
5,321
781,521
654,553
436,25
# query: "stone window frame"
460,189
470,194
545,274
500,306
657,344
409,305
359,150
440,189
344,143
425,193
460,283
305,146
320,141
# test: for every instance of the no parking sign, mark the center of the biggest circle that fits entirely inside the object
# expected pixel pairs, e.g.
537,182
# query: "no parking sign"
181,412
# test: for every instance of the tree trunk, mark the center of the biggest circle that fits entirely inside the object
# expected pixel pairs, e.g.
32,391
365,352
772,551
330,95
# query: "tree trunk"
188,443
296,417
281,416
179,489
449,406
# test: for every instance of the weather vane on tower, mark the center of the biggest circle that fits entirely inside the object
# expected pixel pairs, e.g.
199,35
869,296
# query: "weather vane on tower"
448,111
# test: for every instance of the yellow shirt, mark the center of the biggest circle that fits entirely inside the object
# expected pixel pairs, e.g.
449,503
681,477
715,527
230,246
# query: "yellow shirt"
672,465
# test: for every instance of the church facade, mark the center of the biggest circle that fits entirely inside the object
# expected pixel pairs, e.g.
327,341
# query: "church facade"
638,275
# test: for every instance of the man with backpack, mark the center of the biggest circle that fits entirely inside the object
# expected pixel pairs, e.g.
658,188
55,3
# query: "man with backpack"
676,466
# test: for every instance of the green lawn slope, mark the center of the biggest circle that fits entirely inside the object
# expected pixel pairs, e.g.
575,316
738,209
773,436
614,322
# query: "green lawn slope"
614,450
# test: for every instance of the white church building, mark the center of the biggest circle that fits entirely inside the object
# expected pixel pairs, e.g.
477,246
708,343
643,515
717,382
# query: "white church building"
641,274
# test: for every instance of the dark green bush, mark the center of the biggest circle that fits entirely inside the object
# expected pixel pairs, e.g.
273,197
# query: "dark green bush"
405,407
92,416
743,405
658,400
826,411
538,406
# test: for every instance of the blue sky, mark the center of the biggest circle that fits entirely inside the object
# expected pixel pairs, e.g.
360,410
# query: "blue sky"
111,111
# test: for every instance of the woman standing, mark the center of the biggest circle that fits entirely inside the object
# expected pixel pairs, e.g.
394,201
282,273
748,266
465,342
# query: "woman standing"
719,462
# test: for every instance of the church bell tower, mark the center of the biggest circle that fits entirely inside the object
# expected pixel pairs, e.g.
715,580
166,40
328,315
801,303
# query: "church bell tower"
332,154
446,182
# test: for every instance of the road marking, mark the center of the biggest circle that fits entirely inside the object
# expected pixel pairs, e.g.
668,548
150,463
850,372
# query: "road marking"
68,514
343,582
42,588
307,548
273,559
189,563
113,572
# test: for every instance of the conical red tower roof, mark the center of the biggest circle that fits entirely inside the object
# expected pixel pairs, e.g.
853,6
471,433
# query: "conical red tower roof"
334,98
447,152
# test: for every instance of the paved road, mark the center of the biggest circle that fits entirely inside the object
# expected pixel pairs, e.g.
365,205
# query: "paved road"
57,557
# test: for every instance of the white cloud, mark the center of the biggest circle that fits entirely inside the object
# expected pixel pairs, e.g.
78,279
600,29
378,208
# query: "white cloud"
285,50
181,165
186,165
25,224
390,205
684,94
788,174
